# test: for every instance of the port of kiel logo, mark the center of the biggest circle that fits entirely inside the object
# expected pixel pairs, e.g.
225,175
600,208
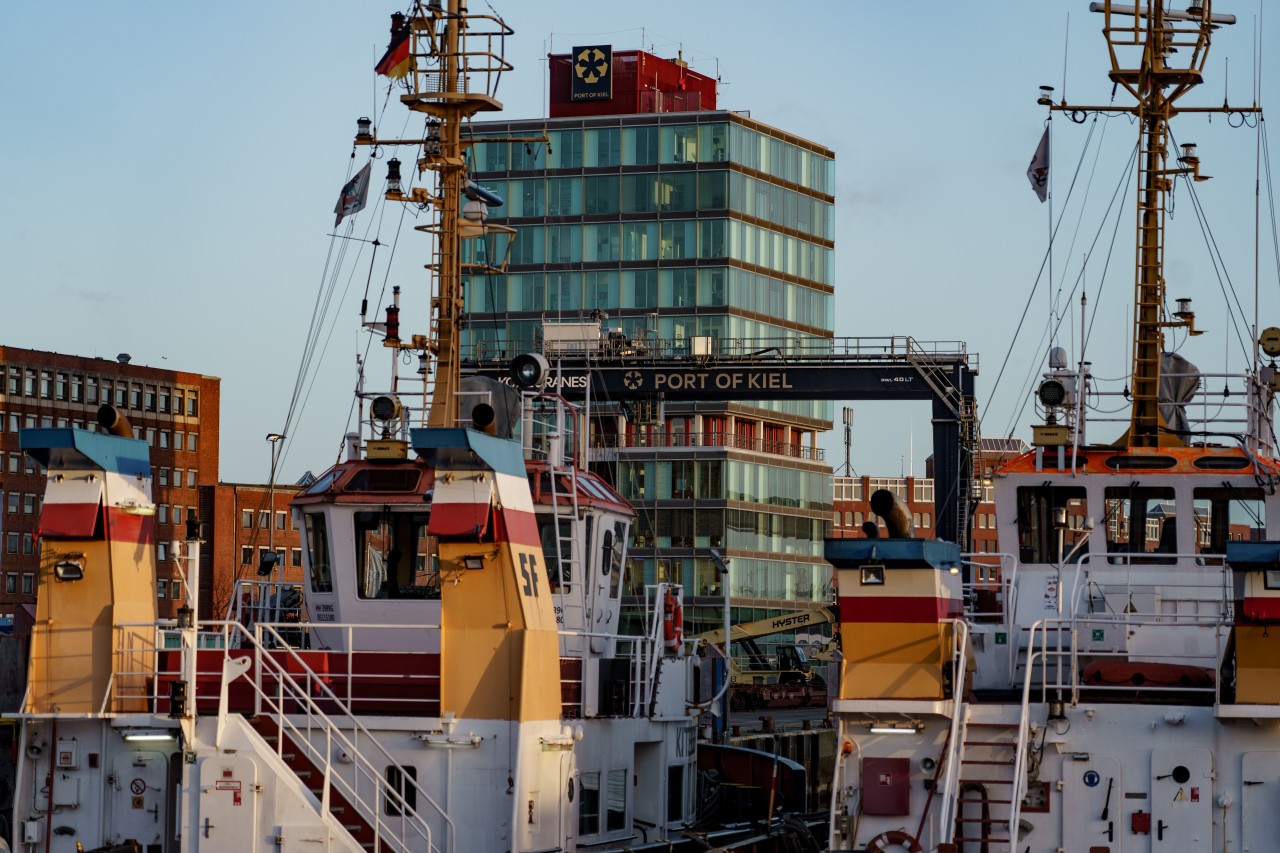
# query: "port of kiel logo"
591,80
633,379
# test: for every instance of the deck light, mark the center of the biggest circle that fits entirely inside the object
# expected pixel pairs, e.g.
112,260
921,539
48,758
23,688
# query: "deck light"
393,175
70,569
148,734
1052,393
907,729
1184,309
1046,96
1189,154
364,129
474,562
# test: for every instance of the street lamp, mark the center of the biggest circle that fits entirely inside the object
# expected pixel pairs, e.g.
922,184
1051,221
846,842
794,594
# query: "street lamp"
274,438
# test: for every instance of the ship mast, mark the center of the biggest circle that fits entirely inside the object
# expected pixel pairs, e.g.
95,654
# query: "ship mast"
1155,35
456,62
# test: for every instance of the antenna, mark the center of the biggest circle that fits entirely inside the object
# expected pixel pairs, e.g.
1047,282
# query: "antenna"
848,440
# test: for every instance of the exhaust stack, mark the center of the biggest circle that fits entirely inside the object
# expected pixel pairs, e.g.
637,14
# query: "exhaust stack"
897,520
114,422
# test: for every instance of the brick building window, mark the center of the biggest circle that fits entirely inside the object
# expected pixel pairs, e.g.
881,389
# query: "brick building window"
191,478
11,583
246,519
246,555
28,584
162,588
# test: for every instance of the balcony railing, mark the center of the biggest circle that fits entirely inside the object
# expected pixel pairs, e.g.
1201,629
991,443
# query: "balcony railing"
709,439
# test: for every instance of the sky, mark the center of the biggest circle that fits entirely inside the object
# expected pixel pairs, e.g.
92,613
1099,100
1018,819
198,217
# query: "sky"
171,170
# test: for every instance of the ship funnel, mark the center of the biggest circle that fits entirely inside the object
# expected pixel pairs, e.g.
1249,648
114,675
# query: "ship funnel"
110,418
890,508
482,417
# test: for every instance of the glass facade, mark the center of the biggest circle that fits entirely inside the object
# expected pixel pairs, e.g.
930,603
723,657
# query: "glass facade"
677,226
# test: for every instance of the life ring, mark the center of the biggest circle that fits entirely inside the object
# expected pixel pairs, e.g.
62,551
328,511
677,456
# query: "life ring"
672,623
893,836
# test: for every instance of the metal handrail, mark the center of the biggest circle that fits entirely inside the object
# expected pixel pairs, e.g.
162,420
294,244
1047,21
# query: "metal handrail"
960,659
335,737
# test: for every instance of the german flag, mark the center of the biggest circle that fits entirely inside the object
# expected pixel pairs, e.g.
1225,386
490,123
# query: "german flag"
395,62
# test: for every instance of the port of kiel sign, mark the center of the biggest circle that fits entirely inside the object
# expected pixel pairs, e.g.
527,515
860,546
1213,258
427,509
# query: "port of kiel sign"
592,78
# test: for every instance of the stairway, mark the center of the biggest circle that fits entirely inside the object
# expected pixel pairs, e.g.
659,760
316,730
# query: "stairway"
343,810
986,783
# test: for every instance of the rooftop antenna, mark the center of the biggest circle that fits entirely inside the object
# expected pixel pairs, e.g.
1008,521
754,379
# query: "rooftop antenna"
848,440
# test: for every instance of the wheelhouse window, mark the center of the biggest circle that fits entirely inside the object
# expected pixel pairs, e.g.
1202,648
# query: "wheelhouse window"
612,563
394,556
318,552
1228,514
1141,520
555,552
1051,523
589,804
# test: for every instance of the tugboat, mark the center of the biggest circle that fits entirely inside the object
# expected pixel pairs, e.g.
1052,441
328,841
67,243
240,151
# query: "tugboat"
457,680
1125,692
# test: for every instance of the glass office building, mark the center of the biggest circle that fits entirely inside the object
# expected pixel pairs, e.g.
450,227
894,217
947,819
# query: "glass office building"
666,227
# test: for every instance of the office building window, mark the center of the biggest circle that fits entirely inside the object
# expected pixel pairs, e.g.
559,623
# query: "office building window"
162,551
28,584
164,401
12,502
191,478
164,439
193,404
246,555
162,588
295,557
280,519
246,518
164,475
11,583
264,519
175,589
191,441
28,544
11,543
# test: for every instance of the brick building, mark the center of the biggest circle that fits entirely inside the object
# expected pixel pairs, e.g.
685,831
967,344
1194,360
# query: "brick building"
175,412
851,499
244,523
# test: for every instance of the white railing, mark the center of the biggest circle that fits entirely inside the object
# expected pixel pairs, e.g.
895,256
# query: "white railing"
292,696
367,789
951,775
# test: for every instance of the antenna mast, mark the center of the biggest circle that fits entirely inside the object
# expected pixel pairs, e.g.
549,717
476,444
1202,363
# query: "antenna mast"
1153,34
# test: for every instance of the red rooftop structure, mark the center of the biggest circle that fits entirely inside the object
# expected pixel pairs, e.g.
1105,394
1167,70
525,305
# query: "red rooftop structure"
596,81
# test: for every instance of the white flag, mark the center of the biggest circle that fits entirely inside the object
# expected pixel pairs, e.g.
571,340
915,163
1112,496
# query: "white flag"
1038,171
354,194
